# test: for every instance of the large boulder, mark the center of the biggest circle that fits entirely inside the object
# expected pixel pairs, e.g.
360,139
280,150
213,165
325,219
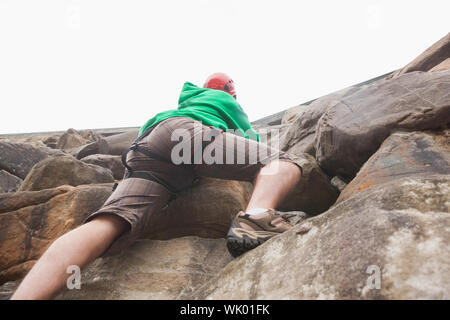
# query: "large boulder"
9,182
353,129
18,158
302,122
29,221
388,242
153,269
64,170
415,154
113,163
431,57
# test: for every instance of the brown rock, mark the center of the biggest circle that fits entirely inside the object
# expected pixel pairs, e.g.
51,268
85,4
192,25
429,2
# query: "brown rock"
302,122
18,158
444,65
9,182
153,269
353,129
390,242
433,56
71,140
113,163
64,170
29,221
415,154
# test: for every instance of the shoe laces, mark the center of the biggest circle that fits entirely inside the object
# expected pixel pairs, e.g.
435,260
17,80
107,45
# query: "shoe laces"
288,217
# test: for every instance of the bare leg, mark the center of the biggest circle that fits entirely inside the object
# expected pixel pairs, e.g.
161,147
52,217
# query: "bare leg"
273,184
77,247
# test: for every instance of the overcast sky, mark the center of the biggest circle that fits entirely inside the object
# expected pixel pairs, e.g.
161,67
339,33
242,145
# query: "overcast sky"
100,64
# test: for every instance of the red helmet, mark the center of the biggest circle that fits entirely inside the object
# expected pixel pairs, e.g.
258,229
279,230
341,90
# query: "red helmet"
220,81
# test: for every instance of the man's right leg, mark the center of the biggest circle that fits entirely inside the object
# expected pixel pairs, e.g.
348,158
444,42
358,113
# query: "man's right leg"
78,247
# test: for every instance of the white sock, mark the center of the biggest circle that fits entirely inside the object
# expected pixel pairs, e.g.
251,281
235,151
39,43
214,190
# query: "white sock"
255,211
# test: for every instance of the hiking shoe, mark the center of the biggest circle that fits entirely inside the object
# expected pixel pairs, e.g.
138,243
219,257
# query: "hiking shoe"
249,231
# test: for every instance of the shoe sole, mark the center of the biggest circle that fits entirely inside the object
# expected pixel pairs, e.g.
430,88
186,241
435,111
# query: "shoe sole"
241,240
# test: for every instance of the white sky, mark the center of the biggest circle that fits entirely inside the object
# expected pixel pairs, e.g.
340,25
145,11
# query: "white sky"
98,64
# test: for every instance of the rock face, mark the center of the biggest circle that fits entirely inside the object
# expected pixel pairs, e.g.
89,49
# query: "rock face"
153,269
58,171
416,154
401,229
113,163
300,136
9,182
353,129
18,158
29,221
433,56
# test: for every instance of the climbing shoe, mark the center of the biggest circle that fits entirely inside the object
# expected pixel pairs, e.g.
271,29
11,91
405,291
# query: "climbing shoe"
249,231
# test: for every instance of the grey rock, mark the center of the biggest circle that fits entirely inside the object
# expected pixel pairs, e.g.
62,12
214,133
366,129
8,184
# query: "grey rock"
401,229
18,158
403,154
350,131
430,58
303,119
113,163
338,183
64,170
153,269
9,182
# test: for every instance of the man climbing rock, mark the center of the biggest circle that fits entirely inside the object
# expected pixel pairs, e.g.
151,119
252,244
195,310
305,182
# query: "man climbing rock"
208,135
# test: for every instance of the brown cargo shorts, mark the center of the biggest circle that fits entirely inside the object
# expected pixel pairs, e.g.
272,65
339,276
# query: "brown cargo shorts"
228,156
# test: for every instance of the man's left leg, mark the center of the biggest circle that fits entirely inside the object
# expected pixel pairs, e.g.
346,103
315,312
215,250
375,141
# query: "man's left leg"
274,174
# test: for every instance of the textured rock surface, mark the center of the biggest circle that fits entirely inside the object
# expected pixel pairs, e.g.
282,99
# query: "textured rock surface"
444,65
353,129
300,136
113,163
402,228
433,56
70,140
65,170
9,182
152,269
29,221
18,158
416,154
